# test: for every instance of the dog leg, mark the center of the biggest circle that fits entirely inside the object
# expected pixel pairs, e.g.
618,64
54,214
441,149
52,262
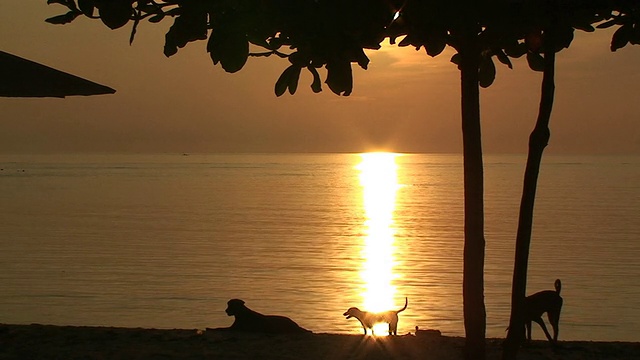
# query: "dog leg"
528,324
544,328
554,320
363,326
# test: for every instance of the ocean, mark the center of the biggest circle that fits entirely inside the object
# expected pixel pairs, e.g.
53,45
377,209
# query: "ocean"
165,241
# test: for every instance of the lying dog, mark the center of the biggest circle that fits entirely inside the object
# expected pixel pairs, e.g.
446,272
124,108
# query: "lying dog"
248,320
368,319
547,301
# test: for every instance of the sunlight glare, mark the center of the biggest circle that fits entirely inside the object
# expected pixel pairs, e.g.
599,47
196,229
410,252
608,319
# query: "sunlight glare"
378,178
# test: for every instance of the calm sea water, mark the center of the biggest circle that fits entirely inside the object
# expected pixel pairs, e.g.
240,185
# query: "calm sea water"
164,241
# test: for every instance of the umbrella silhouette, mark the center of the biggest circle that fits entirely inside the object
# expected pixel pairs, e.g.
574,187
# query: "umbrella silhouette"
20,77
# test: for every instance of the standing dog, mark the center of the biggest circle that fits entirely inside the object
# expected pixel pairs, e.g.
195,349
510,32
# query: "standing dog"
547,301
248,320
368,319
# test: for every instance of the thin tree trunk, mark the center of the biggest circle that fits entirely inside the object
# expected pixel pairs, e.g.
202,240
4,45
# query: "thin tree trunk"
538,140
473,268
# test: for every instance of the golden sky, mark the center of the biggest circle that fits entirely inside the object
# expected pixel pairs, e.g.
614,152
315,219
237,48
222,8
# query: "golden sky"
405,102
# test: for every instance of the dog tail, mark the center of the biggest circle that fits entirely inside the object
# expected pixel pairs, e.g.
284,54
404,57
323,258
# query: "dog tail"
558,286
406,302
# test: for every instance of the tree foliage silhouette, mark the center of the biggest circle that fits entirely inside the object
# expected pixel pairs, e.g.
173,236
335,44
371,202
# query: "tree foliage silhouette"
333,34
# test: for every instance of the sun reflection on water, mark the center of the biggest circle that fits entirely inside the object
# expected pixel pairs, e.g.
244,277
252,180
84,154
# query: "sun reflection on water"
379,180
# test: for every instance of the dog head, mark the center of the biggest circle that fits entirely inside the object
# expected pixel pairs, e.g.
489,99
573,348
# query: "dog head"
234,307
353,311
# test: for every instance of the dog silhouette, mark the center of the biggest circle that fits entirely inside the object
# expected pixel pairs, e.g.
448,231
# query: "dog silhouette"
247,320
368,319
547,301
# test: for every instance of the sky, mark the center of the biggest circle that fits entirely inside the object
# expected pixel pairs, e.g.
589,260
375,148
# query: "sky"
405,102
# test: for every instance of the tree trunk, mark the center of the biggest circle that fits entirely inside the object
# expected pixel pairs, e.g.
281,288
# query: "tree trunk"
473,268
538,140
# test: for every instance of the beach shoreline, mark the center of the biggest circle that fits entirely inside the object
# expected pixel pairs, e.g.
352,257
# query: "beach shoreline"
37,341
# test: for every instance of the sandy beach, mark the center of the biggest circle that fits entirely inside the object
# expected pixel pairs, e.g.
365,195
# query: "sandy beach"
71,342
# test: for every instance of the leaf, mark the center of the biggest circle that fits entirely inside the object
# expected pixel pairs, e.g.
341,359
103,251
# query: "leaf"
288,79
293,79
621,37
174,12
115,13
61,2
187,27
635,36
408,40
536,61
156,18
456,59
63,19
148,8
87,7
134,29
435,44
503,58
316,85
340,77
607,24
434,48
298,58
170,45
259,41
516,50
283,81
486,72
563,37
361,58
275,43
230,47
70,4
584,27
